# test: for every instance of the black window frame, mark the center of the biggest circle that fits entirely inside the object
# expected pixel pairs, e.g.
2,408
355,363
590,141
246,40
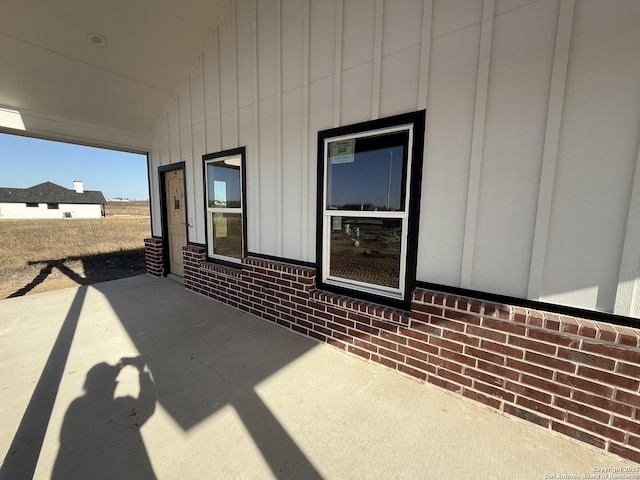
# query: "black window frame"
53,206
414,121
32,205
219,156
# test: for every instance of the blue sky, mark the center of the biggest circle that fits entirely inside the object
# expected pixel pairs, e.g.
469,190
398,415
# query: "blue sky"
25,162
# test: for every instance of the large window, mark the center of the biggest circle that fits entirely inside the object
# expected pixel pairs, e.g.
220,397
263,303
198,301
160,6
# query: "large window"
224,197
368,197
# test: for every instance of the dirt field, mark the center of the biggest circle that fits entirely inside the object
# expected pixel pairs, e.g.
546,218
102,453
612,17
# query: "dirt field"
42,255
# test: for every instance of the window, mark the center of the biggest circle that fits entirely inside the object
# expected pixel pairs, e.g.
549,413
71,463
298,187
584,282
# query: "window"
224,177
32,205
53,206
368,198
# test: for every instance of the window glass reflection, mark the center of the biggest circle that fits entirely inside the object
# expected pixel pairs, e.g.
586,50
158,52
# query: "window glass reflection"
223,185
366,250
227,234
367,174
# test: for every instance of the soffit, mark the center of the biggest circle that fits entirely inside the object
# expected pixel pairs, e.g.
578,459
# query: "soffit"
50,67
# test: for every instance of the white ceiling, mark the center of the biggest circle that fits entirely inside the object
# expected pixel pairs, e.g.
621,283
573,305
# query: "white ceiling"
49,67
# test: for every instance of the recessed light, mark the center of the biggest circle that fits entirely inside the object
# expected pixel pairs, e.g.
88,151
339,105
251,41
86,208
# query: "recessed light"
97,39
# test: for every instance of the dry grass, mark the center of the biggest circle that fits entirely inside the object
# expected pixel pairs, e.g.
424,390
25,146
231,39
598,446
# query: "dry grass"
41,255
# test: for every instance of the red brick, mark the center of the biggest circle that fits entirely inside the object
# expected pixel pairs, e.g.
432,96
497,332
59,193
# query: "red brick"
586,359
449,345
358,351
504,326
415,334
609,378
603,403
485,333
526,415
384,361
444,363
391,354
484,355
595,427
578,434
458,358
584,410
482,398
412,371
540,408
384,343
484,377
501,349
626,424
454,377
464,317
419,364
461,338
587,328
444,384
606,332
546,385
628,369
586,385
448,324
552,321
363,344
628,336
494,391
625,452
523,390
533,345
413,353
535,319
550,362
317,336
425,328
628,398
554,338
422,346
613,351
426,308
498,370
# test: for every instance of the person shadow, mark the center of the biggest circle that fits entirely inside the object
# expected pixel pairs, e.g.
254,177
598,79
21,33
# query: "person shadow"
100,435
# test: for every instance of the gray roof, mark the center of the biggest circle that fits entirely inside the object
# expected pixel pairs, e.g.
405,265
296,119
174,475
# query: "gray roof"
48,192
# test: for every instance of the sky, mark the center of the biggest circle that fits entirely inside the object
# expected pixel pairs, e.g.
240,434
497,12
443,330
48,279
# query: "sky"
25,162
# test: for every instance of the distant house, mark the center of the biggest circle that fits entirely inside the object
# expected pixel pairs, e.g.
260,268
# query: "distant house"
48,200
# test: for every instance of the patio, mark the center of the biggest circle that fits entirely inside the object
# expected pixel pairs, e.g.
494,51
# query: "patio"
232,396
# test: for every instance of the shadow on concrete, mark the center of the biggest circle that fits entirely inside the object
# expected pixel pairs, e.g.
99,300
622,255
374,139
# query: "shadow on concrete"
22,457
100,435
203,359
96,268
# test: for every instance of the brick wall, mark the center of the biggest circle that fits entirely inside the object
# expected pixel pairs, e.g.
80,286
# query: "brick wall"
577,377
153,256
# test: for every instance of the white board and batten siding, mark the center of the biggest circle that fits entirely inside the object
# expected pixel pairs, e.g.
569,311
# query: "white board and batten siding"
530,182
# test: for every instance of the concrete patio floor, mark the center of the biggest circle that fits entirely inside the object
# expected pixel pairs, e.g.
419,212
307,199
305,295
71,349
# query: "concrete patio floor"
233,396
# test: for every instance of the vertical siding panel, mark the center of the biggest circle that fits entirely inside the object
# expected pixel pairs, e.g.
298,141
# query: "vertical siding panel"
477,143
550,152
279,185
517,105
253,236
337,75
448,139
305,131
377,60
266,115
425,54
628,293
597,156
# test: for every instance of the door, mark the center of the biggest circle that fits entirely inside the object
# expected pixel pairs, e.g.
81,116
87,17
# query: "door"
176,219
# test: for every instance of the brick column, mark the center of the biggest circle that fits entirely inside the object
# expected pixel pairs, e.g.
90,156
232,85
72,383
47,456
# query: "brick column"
153,256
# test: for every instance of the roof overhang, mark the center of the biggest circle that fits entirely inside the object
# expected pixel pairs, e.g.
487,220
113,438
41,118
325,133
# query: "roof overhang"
56,83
